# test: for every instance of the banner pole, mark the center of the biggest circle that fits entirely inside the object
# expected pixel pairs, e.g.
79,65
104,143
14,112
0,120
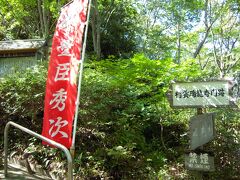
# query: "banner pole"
72,149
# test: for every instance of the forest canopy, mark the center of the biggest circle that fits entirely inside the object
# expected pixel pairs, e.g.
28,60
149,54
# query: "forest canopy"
205,30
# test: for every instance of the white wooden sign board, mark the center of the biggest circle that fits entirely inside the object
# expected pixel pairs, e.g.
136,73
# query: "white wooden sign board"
201,94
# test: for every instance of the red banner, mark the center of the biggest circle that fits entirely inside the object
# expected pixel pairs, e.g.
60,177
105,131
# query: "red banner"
61,88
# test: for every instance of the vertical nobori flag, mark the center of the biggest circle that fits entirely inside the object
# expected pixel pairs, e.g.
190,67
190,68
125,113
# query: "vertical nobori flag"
61,88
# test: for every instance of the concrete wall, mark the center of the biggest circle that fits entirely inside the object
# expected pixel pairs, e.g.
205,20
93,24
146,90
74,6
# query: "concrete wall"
12,64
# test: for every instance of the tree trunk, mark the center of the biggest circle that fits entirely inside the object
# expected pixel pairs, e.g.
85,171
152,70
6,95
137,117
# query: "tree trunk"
178,43
200,45
44,19
94,31
45,13
41,29
208,21
96,23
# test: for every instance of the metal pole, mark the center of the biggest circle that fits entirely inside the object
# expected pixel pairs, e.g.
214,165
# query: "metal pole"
6,148
72,149
56,144
68,3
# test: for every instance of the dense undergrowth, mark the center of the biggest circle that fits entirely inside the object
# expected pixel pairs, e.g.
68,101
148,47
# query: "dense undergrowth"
126,128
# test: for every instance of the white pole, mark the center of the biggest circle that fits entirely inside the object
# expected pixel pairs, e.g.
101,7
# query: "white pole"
72,149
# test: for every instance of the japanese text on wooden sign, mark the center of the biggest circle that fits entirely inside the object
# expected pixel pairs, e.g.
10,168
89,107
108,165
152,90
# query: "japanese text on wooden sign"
201,94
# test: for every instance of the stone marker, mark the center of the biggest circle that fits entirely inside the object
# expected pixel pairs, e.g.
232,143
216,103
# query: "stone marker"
199,162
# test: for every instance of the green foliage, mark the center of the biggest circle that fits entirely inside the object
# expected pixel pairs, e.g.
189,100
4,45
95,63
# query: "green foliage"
126,129
17,18
117,22
126,111
21,95
20,19
227,143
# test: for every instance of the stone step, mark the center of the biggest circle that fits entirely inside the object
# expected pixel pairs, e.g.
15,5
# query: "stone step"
16,172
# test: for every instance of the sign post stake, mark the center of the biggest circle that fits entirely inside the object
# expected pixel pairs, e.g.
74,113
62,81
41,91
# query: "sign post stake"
199,174
72,148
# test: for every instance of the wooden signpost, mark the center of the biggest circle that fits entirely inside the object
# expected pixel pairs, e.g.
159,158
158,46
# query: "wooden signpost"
202,127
